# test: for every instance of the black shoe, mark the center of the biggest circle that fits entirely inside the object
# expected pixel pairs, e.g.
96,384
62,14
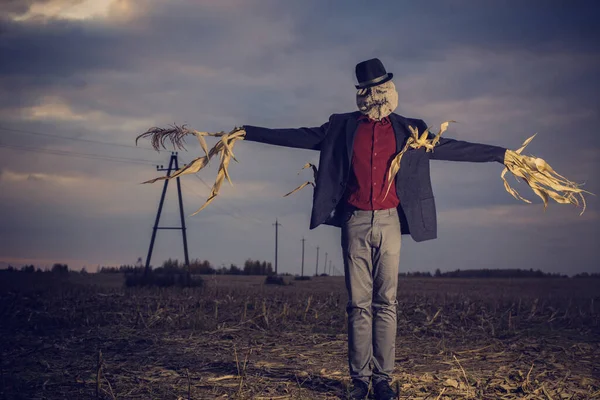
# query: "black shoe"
383,391
359,390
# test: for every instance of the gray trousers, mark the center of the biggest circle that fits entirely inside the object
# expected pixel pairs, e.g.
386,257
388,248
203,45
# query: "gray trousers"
371,251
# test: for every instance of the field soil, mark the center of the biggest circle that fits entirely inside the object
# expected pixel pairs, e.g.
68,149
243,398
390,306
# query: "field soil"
90,337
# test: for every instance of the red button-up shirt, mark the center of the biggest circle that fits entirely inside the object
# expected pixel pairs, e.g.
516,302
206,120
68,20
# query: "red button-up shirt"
373,152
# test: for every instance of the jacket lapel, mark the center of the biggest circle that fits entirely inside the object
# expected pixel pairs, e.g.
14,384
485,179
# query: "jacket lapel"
351,126
400,126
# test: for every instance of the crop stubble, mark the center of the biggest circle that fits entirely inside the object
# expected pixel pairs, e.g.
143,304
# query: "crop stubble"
88,337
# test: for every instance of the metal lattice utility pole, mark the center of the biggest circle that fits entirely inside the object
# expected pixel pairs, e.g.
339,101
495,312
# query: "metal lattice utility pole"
277,225
303,240
173,166
317,268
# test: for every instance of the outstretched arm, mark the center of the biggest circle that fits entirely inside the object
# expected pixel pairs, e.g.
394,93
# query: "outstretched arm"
302,138
460,150
538,175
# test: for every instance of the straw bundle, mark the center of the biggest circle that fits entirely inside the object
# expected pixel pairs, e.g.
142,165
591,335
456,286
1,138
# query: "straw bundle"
542,179
224,147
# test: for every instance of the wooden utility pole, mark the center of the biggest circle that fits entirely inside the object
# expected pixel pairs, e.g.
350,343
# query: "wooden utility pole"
173,166
277,225
325,266
303,240
317,268
329,267
337,271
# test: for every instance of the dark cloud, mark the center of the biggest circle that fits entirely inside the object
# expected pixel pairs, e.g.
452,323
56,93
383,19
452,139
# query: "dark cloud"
61,48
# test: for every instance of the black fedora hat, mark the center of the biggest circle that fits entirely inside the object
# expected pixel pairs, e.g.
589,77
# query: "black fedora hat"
371,73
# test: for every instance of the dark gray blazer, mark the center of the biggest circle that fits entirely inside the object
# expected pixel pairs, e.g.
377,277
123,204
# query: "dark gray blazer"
335,140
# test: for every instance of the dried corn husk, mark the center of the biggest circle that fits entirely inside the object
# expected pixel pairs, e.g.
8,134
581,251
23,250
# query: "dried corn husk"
414,141
299,187
542,179
224,147
307,165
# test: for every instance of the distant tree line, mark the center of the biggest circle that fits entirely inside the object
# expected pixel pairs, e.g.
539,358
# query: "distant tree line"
586,275
197,266
491,273
256,267
56,269
121,269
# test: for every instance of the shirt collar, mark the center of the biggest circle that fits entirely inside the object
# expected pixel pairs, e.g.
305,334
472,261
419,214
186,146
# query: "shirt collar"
364,118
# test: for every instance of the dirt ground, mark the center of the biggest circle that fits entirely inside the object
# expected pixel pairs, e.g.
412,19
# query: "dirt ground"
88,337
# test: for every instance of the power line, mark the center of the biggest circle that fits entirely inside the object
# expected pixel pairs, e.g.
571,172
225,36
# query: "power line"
317,267
238,217
303,240
95,156
77,154
197,177
73,138
277,225
99,157
253,219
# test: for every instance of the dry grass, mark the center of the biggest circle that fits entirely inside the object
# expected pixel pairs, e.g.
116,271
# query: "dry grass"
238,338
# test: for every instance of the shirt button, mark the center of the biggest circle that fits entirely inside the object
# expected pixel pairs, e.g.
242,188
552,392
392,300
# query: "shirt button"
374,167
375,154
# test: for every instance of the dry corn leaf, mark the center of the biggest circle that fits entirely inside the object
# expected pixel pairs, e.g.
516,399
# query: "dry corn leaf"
298,188
314,169
414,141
206,203
541,178
202,142
224,148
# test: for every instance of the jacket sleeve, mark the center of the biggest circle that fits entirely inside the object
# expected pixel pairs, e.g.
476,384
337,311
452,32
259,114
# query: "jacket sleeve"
459,150
301,138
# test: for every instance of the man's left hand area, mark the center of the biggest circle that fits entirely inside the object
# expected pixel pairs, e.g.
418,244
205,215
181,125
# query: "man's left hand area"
541,178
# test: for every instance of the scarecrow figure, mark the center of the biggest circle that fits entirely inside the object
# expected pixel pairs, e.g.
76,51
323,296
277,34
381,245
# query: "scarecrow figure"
374,183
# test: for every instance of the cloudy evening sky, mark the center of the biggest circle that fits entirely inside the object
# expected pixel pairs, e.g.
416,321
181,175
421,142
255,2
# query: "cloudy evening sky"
74,73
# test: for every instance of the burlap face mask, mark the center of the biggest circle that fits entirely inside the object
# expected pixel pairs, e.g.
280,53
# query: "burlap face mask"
379,101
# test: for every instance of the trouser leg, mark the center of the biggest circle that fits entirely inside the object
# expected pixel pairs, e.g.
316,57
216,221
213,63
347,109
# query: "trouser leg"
386,258
356,250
